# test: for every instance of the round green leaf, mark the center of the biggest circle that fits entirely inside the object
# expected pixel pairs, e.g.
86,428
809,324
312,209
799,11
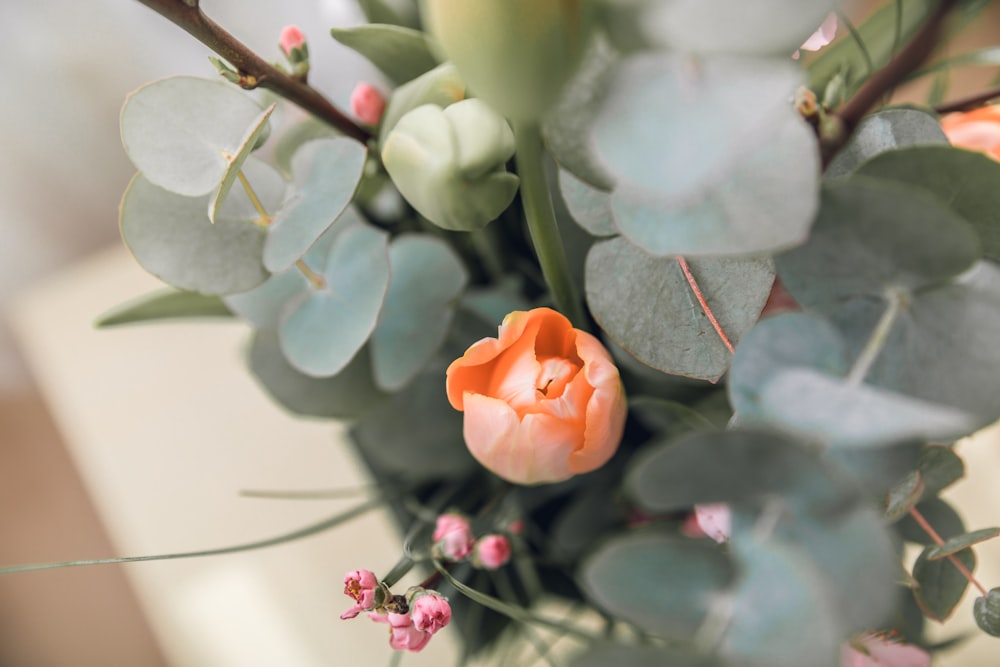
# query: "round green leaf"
172,237
346,395
904,496
168,304
987,612
589,207
964,181
631,294
427,280
942,516
884,131
322,334
325,174
940,586
959,542
663,584
708,162
182,131
257,131
939,467
401,53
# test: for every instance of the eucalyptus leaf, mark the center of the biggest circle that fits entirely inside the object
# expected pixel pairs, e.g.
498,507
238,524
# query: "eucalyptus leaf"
884,131
876,470
416,435
251,140
939,467
904,496
302,132
688,575
171,236
632,294
588,206
940,585
400,53
947,523
325,172
621,655
323,332
708,161
427,279
350,393
181,131
167,304
959,542
964,181
395,12
986,611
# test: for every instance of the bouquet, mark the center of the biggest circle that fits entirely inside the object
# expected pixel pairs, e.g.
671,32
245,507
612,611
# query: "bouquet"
629,303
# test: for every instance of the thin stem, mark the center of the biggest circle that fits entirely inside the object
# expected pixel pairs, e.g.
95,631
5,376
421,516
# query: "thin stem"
970,102
923,523
878,339
318,494
255,70
542,222
265,219
693,284
315,279
862,47
308,531
398,571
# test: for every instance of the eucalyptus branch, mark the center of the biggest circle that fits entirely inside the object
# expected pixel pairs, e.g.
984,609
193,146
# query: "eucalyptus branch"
845,119
970,102
923,523
255,70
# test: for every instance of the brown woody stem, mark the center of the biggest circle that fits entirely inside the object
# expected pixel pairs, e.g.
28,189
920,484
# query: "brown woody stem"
254,70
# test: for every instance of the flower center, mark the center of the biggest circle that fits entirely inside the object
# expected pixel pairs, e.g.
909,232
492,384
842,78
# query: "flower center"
554,375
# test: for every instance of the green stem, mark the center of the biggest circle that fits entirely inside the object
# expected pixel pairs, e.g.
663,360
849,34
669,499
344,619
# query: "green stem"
878,339
398,571
542,222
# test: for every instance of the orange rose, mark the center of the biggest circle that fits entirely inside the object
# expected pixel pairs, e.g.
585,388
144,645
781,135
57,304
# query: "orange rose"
542,402
977,130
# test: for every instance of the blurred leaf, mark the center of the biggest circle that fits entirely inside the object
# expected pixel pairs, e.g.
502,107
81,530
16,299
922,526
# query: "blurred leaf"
181,131
620,655
348,394
582,522
323,332
716,152
631,294
400,53
588,206
960,542
566,128
294,137
164,304
940,467
426,281
325,174
664,415
941,585
940,515
989,57
172,237
963,181
986,611
257,131
877,469
395,12
416,434
688,575
904,496
845,57
885,131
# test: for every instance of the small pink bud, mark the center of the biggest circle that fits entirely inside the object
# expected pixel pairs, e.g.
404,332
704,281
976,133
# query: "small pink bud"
491,552
875,651
823,35
367,103
360,586
453,536
714,520
291,38
516,527
430,611
403,634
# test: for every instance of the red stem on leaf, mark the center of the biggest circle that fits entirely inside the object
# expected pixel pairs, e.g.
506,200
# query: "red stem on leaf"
704,304
923,523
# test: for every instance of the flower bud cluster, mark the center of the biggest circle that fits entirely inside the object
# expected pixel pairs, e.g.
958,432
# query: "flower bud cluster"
412,618
453,541
293,44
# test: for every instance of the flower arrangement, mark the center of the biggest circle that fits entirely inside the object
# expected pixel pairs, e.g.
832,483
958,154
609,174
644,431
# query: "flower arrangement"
630,304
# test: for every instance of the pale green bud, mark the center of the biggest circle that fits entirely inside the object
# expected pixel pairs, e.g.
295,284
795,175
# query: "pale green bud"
440,86
449,163
515,54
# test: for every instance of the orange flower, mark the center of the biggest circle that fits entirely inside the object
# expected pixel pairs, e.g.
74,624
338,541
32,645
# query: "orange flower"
542,402
977,130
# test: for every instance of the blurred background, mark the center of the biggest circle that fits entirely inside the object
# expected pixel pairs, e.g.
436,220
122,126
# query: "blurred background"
68,66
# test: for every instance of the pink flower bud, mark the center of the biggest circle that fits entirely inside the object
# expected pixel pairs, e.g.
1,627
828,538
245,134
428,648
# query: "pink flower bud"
453,536
875,651
823,35
291,38
430,611
403,634
715,521
516,527
367,103
360,585
491,552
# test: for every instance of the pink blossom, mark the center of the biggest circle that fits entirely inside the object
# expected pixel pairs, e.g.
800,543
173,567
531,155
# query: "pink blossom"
875,651
516,527
823,36
291,38
403,634
360,585
430,612
367,103
453,536
714,520
491,552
